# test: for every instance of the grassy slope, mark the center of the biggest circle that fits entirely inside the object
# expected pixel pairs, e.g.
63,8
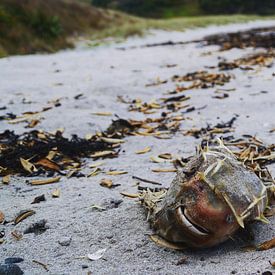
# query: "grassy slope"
139,26
30,26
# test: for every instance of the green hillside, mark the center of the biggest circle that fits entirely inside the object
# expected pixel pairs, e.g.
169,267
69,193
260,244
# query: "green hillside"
29,26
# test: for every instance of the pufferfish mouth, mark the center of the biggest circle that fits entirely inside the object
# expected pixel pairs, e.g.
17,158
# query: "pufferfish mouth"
187,222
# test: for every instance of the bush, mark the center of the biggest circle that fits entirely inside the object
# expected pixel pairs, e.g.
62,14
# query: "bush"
45,26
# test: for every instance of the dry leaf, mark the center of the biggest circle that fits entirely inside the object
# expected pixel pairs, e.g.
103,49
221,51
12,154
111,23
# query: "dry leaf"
165,156
95,172
102,114
72,172
6,179
106,183
17,235
163,243
272,263
56,193
103,154
28,166
132,196
89,136
160,170
20,119
49,164
98,207
45,181
115,173
23,215
41,135
157,159
143,151
97,255
51,155
267,245
2,217
33,123
112,140
96,164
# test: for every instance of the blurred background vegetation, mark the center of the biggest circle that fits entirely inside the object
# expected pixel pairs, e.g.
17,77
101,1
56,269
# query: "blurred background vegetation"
171,8
30,26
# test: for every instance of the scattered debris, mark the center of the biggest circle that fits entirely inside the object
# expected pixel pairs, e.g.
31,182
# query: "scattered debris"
102,114
132,196
263,59
202,79
2,217
44,181
38,199
145,180
94,172
97,255
108,183
156,83
17,235
65,241
143,151
267,245
37,227
56,193
23,215
209,132
256,38
111,203
164,170
47,151
43,265
115,173
6,179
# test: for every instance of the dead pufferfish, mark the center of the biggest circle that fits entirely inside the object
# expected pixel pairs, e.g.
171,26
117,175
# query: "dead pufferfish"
208,201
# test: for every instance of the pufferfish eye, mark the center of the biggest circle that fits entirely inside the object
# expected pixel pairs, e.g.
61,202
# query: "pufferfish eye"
187,222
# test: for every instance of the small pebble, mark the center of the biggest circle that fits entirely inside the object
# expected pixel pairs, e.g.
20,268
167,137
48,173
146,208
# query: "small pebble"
66,241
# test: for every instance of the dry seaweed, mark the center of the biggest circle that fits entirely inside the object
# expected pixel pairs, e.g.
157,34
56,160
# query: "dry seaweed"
255,155
209,132
20,152
263,59
260,37
202,79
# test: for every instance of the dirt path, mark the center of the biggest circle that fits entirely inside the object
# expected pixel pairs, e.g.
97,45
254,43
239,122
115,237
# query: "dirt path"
28,83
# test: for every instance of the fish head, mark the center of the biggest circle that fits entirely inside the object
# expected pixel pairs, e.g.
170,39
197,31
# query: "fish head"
200,217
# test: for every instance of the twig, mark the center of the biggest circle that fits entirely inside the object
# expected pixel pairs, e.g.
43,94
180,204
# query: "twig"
43,265
145,180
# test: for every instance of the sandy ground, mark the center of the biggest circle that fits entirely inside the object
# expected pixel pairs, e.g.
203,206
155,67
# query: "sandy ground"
102,74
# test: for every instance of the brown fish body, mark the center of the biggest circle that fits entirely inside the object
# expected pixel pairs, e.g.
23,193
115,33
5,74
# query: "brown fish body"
209,200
